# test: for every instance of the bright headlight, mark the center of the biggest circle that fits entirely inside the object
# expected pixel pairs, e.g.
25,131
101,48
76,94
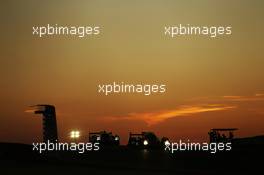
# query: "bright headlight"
145,142
116,138
98,138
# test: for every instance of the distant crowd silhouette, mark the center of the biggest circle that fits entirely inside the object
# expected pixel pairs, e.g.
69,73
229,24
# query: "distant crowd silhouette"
216,135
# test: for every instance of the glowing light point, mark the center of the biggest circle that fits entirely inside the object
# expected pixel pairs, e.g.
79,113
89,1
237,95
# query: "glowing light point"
75,134
145,142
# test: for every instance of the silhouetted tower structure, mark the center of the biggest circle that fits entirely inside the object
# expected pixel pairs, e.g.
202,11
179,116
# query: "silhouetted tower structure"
49,122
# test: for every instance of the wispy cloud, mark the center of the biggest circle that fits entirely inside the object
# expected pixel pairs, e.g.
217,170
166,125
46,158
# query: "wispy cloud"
152,118
29,110
256,97
195,106
228,98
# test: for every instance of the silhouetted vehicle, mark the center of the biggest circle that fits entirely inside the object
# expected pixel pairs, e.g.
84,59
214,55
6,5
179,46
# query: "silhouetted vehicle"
146,140
217,135
104,138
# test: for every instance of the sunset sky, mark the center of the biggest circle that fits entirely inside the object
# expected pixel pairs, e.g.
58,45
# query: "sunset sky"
211,82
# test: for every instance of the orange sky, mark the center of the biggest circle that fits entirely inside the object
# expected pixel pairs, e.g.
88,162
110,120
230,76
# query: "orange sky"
210,82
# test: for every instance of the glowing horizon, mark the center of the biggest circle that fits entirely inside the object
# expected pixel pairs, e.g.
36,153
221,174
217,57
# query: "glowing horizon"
210,82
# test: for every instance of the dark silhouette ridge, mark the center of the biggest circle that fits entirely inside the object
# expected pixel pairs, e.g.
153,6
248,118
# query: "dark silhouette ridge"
19,158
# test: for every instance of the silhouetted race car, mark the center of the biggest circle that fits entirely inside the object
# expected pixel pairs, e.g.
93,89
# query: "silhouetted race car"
147,140
104,138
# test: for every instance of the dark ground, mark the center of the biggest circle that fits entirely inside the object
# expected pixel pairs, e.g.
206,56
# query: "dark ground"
245,158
